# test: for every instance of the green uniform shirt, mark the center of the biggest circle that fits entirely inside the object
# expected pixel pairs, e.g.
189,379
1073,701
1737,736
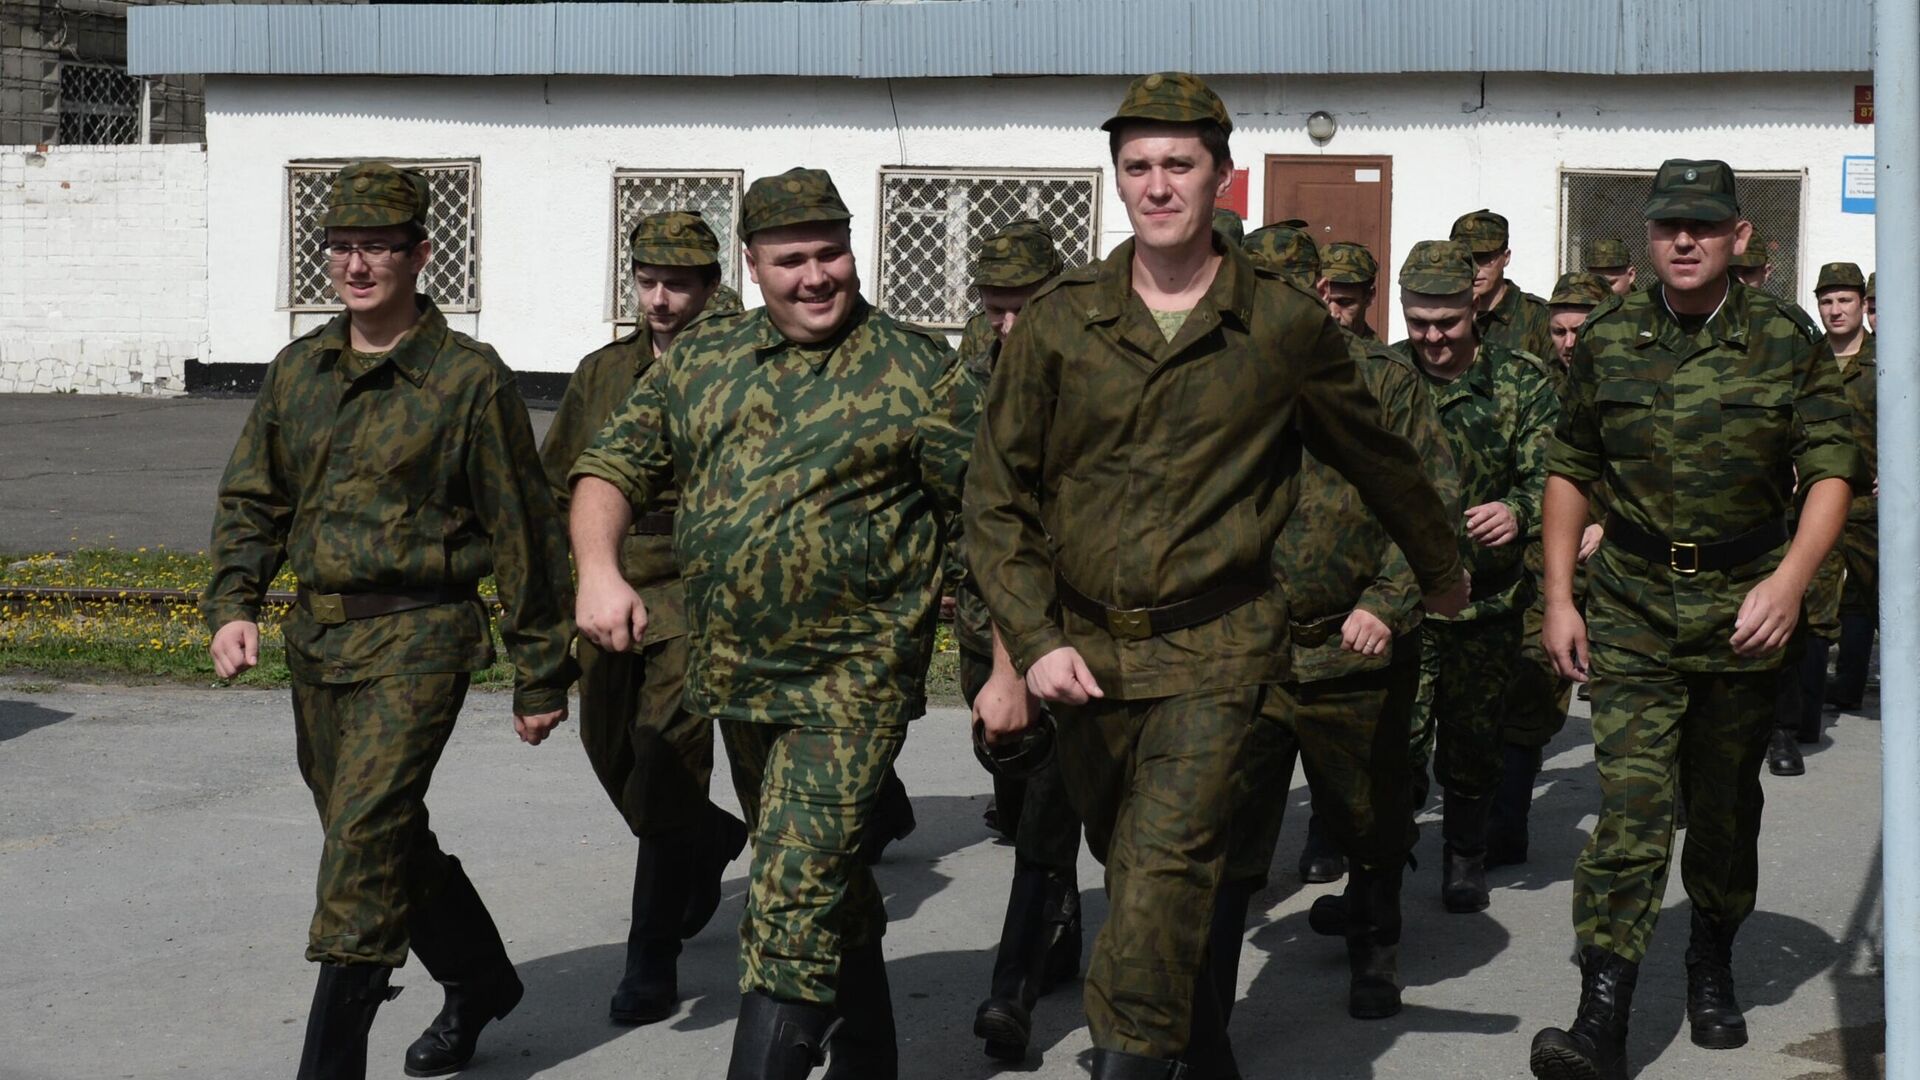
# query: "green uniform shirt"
1697,438
1146,471
1861,379
972,625
1333,554
412,469
1520,321
816,483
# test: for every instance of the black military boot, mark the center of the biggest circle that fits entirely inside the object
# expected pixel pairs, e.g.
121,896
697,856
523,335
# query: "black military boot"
1320,860
344,1000
1005,1019
456,941
1595,1047
892,819
1850,669
1813,691
1463,825
1209,1052
649,990
1373,943
721,838
1119,1065
1783,754
1224,940
1712,1009
779,1040
1512,806
866,1045
1064,933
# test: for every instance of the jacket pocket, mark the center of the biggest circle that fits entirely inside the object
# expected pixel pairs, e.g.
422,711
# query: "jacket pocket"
1626,409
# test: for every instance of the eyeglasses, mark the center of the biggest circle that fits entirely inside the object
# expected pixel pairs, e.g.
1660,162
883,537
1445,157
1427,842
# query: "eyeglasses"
373,250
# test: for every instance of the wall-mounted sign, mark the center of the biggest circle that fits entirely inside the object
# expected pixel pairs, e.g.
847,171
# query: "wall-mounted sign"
1863,104
1236,197
1856,184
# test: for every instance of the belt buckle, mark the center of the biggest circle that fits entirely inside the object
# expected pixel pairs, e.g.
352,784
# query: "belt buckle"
328,609
1692,551
1129,623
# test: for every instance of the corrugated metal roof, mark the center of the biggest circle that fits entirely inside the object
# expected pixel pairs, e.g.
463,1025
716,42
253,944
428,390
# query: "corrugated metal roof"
974,38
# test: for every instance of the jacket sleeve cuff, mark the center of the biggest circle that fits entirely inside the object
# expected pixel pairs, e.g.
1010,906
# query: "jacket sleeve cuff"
1026,648
534,700
599,464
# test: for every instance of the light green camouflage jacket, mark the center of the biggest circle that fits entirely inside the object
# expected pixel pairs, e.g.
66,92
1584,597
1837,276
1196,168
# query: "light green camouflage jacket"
1519,321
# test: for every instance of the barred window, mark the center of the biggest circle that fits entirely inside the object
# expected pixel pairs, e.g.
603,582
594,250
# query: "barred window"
714,195
932,219
1601,204
452,276
99,105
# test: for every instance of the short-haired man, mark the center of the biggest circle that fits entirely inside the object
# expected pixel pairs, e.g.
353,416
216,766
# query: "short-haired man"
1845,301
652,755
1612,261
1347,273
1690,597
1133,470
1752,265
1504,314
819,448
389,462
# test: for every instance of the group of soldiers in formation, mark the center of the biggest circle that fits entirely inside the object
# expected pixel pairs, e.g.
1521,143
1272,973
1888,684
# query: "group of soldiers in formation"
1193,521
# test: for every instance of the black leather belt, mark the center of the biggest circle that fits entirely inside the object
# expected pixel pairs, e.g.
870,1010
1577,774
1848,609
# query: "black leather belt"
1138,624
655,524
1694,557
332,609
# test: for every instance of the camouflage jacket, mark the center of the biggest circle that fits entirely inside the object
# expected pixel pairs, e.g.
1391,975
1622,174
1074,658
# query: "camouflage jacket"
1499,414
1861,379
1145,471
815,485
1696,438
972,625
413,469
1334,556
1519,321
601,384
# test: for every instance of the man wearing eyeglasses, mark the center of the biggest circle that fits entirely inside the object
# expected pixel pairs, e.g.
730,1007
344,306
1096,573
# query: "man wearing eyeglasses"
389,463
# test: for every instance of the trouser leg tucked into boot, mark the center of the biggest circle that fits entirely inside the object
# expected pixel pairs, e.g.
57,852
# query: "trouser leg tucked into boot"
722,838
456,941
649,990
1463,883
1512,805
865,1047
344,1001
1595,1046
779,1040
1118,1065
1712,1009
1063,938
1373,943
1005,1019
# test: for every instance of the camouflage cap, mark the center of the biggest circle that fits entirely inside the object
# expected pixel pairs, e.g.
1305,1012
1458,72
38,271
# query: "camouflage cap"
374,194
795,197
1870,278
1287,248
1692,191
1483,231
1438,268
1756,254
1348,263
1173,97
1577,288
1840,275
1016,256
1228,224
673,238
1606,255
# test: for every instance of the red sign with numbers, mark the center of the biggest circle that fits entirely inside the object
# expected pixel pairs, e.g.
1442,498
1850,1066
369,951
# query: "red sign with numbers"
1863,104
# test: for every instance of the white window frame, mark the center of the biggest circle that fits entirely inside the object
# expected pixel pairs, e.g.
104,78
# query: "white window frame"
296,218
617,263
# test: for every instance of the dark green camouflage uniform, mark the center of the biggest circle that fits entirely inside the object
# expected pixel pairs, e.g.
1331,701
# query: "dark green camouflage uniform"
1519,320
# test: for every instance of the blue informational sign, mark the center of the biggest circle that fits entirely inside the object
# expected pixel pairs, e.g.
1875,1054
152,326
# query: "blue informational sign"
1856,184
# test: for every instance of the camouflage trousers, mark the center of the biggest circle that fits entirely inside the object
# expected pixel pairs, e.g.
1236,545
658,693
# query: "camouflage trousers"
807,793
1860,549
1658,732
1352,734
1464,671
1537,697
1046,831
1154,782
367,751
654,757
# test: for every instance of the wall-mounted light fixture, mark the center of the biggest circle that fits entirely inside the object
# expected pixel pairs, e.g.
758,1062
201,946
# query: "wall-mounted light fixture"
1321,126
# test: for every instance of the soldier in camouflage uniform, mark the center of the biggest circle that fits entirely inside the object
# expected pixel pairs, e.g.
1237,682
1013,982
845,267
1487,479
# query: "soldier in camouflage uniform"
1228,224
1131,476
1347,274
1694,402
1498,406
1612,262
1753,268
389,462
1845,298
653,756
1506,315
819,448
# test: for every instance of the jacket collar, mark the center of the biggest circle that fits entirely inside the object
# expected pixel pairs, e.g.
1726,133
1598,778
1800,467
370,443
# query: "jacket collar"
412,356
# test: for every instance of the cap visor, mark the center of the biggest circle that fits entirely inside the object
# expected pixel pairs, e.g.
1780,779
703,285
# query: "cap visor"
1690,210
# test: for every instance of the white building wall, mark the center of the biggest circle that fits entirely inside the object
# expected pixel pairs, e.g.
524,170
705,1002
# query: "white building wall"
548,148
103,267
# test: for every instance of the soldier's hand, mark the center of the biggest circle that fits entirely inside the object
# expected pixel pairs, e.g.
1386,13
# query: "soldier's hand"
1004,707
1563,634
1590,540
533,730
1364,633
1062,676
1492,524
610,614
1453,601
235,648
1767,617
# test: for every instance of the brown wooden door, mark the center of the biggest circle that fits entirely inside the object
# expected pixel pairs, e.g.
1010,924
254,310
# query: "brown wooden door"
1341,198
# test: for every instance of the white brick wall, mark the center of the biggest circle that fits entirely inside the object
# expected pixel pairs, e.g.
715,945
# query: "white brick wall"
103,268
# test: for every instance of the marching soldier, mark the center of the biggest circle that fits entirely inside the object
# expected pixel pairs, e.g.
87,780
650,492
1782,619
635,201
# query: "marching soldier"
1503,313
1845,302
1753,267
390,463
1346,286
1612,262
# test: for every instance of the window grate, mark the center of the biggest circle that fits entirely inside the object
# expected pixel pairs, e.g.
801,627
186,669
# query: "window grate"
1606,204
931,221
452,276
714,195
99,105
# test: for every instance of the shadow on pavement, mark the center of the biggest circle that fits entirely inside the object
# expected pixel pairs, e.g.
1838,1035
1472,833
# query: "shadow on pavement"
18,718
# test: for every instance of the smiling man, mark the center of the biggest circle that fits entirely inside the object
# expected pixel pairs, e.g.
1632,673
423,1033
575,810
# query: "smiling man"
819,448
389,463
1133,470
1695,403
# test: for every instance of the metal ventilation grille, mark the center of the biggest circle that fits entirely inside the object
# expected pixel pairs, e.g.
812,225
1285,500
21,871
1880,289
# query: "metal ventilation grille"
1606,204
714,195
452,277
930,222
99,105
